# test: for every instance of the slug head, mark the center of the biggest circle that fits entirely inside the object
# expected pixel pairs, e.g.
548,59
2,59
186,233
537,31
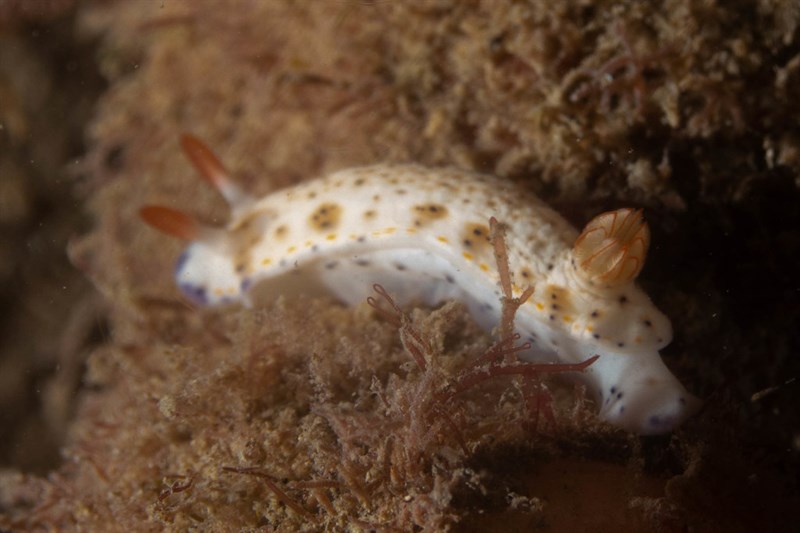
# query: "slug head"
612,247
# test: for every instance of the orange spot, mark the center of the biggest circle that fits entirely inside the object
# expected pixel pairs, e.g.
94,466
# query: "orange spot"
540,306
484,267
468,256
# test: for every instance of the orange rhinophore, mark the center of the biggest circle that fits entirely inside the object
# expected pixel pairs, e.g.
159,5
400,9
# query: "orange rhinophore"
171,221
210,167
612,247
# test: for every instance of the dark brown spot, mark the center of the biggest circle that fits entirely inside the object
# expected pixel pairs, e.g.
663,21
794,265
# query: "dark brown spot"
359,182
595,314
281,231
623,299
427,213
476,236
326,216
369,214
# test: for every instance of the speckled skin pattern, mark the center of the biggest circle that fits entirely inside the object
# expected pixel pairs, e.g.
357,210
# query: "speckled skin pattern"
423,234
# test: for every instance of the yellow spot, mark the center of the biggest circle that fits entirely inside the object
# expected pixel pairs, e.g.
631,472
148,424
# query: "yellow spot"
567,318
411,231
352,236
484,267
266,261
540,306
218,292
468,256
308,244
330,237
590,328
291,249
389,231
442,238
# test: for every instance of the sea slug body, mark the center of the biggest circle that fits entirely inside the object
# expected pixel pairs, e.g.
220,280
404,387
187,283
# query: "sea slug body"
423,234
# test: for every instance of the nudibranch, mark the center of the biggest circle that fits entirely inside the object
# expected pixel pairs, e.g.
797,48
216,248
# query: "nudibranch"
423,234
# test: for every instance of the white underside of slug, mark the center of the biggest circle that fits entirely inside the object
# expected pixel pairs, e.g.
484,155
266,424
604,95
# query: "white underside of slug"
423,235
